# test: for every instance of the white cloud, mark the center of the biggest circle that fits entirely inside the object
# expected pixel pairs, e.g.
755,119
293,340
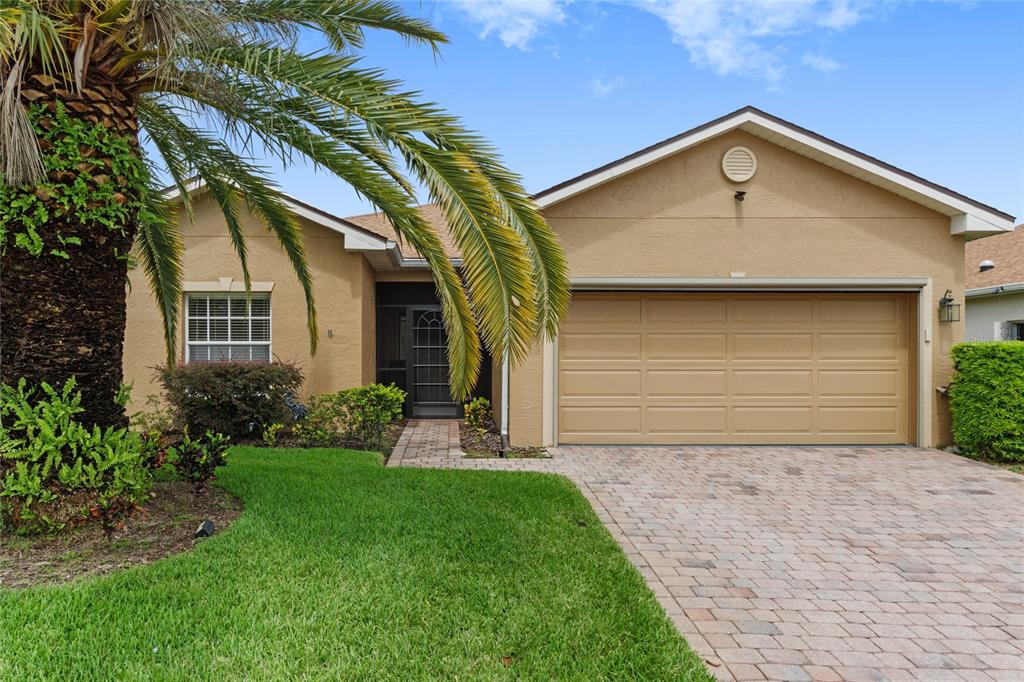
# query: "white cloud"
602,88
515,22
747,37
820,62
744,37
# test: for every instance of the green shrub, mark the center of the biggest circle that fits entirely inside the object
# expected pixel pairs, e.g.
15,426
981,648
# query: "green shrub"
239,399
325,422
196,459
357,417
370,410
987,399
478,414
56,472
271,433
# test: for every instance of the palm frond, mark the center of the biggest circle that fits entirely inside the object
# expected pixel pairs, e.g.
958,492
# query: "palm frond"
218,82
213,160
21,160
343,24
496,266
158,248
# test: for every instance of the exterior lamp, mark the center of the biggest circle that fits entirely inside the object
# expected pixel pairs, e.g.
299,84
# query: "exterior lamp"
948,311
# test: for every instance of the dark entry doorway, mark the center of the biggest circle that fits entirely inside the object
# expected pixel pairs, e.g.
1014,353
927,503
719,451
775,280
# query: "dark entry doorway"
412,350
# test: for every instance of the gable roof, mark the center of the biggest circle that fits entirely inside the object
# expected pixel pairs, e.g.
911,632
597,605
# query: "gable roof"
357,237
432,215
1005,250
967,216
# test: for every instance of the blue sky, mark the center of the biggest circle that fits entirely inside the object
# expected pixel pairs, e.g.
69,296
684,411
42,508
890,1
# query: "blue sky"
560,87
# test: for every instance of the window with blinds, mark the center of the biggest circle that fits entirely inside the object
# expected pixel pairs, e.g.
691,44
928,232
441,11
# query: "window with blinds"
222,327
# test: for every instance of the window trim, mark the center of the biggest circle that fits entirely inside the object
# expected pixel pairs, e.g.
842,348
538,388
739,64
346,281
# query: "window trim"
230,295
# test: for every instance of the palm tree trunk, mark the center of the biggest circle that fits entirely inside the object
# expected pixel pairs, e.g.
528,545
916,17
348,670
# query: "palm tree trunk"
62,317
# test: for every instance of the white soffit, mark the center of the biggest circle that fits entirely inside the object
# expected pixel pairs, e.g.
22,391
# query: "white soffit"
967,216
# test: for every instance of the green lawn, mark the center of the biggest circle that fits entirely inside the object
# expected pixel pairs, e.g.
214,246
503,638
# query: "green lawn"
342,569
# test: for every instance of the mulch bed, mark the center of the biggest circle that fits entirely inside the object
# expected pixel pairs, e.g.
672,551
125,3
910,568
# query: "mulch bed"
164,526
487,443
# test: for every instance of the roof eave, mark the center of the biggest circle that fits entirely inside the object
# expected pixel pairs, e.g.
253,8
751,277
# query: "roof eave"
995,290
967,216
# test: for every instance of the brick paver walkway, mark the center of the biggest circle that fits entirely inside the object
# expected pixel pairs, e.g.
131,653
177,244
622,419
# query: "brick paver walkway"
804,563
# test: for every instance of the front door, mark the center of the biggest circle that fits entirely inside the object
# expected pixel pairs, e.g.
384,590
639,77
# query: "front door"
429,393
412,349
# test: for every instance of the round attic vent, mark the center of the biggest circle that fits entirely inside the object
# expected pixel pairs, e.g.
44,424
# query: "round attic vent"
739,164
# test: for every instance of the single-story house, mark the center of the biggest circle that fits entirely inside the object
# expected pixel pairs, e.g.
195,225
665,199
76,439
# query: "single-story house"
746,281
994,305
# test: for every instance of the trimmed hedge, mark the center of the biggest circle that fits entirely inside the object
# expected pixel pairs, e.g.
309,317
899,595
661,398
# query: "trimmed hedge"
239,399
987,399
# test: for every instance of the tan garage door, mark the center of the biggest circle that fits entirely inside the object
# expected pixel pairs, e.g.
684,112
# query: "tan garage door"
736,368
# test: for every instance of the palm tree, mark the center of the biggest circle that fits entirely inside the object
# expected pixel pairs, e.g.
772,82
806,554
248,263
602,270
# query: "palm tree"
211,85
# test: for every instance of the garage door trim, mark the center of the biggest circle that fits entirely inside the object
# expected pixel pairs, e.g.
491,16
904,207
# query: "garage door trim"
924,326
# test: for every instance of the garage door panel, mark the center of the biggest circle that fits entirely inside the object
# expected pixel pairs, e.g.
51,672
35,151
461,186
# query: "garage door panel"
589,383
847,311
600,420
605,311
687,346
772,311
772,346
687,382
860,382
687,420
596,347
675,311
736,368
769,419
761,383
853,346
860,419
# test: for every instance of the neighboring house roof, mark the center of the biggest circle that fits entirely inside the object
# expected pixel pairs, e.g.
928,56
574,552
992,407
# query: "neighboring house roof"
1006,252
967,216
432,214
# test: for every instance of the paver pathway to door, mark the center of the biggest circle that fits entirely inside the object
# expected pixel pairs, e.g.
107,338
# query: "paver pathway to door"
807,563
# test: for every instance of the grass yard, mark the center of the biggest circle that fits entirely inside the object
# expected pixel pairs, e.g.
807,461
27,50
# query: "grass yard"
341,569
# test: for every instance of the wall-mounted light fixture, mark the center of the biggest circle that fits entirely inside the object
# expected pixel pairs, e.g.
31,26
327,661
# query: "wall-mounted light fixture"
948,310
740,196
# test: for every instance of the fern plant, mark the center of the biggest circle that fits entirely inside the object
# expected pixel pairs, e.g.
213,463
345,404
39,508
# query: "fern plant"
56,471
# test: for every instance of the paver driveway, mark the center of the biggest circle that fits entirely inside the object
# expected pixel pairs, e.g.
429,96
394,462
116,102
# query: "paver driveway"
808,563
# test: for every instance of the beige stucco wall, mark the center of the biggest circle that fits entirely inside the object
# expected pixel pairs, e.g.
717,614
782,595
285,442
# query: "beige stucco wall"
343,287
369,324
678,218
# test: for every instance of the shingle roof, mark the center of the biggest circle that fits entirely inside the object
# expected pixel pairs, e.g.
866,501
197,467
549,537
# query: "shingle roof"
1005,250
432,214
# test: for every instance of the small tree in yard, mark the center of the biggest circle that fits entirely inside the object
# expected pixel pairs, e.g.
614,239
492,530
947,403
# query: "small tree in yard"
209,84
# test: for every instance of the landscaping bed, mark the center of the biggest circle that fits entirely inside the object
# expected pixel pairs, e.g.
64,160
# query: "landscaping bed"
340,568
387,444
479,436
163,526
483,443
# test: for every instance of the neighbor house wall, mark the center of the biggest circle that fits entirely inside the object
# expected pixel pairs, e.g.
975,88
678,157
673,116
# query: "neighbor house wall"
343,288
679,218
984,313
